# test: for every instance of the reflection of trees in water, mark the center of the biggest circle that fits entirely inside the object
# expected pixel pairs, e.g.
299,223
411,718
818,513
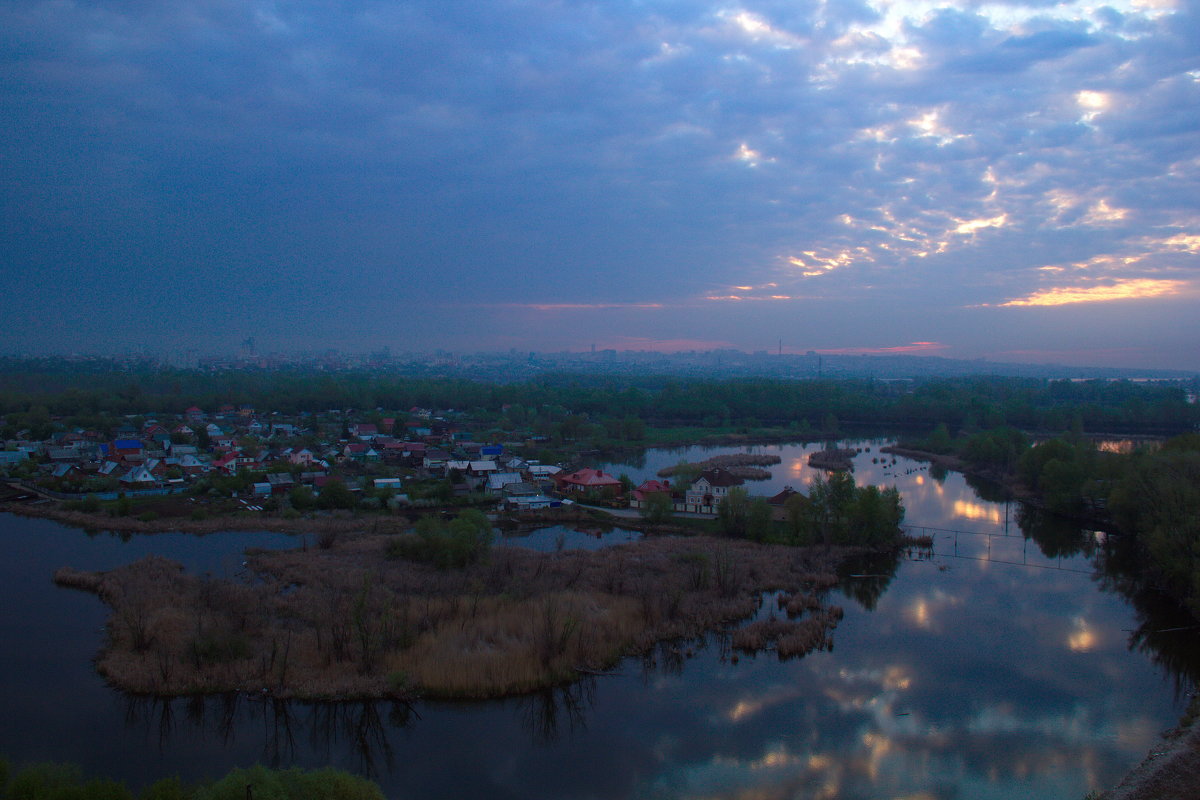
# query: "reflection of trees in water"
988,491
866,578
938,472
635,458
546,711
360,724
1055,536
1166,633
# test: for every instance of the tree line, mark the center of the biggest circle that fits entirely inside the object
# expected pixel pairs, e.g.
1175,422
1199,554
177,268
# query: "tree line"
36,393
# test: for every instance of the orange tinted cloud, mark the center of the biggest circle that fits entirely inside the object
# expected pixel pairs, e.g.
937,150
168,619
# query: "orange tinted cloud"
1139,288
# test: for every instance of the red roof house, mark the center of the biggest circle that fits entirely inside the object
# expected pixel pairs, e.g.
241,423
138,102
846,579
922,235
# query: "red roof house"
588,480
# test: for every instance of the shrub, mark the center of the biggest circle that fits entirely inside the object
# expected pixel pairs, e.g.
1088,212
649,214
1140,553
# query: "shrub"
462,541
290,784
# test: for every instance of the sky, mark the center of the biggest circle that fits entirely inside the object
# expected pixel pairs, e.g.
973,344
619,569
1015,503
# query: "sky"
1011,181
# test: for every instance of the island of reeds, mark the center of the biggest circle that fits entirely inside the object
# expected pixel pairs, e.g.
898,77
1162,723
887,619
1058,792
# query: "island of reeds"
439,613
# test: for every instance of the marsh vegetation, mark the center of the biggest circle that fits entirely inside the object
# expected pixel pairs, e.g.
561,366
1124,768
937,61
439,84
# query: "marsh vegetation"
438,613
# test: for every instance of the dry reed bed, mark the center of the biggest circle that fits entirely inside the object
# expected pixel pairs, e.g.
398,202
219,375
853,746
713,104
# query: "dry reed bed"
742,465
348,622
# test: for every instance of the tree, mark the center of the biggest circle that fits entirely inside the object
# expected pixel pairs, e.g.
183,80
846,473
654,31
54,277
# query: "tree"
302,498
336,494
657,508
733,513
758,520
800,520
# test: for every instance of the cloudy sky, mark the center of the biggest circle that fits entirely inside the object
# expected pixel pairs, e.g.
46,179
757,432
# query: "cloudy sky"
1015,181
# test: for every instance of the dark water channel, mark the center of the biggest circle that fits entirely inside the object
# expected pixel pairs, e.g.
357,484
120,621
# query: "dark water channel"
1003,669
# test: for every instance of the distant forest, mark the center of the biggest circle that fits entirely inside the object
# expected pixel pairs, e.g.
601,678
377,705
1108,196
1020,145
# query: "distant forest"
82,390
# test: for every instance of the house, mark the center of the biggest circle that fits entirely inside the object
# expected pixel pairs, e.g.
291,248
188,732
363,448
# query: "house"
65,454
435,460
8,457
708,490
303,457
588,480
483,467
532,502
497,481
387,483
228,463
364,430
64,471
641,493
778,503
138,477
127,448
281,482
193,414
358,451
192,465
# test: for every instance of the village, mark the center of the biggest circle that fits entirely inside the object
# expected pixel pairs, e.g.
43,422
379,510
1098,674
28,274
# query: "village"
336,461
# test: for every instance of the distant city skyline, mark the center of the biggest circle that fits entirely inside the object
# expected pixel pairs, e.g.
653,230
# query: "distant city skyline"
1015,181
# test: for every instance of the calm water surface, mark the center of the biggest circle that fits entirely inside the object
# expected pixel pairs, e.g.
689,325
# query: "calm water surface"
953,676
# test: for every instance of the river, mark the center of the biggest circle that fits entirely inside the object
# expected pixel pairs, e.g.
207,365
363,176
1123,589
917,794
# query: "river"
997,668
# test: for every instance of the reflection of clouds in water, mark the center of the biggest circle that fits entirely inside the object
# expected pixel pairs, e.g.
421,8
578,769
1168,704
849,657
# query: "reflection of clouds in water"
1082,638
988,512
984,752
747,707
924,609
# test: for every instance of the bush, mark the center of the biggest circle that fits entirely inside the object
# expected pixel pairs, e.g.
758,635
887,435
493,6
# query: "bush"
290,784
65,782
453,545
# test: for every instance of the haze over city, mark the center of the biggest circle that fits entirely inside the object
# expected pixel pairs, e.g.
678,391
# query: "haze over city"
1011,181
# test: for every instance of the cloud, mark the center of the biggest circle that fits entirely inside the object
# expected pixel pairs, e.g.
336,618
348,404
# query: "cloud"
1124,290
579,158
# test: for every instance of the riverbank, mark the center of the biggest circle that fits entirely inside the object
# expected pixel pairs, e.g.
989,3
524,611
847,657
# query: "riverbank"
249,521
350,622
1170,772
1009,483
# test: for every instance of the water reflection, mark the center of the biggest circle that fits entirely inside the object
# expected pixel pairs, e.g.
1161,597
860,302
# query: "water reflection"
278,730
558,538
951,677
560,711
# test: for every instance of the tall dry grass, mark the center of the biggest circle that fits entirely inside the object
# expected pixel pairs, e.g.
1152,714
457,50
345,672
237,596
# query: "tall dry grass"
348,622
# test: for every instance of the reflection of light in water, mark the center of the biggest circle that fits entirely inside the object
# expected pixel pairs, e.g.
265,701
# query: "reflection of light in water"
879,746
896,678
779,757
1083,638
1123,446
965,508
920,480
743,709
920,613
